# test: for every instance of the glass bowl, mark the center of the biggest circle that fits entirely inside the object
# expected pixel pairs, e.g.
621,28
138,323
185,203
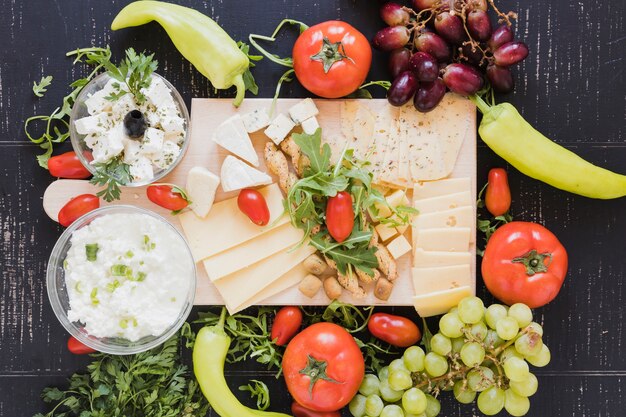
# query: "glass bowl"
59,298
79,110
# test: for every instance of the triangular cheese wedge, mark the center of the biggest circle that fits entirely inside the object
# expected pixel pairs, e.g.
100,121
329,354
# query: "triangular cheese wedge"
232,136
201,187
236,175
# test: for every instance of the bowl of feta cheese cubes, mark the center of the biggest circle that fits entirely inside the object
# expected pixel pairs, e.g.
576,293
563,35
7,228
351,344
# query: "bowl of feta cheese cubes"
138,137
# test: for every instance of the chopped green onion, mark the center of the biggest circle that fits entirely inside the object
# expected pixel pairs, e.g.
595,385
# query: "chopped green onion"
141,276
130,254
134,322
173,299
91,250
113,285
120,270
147,244
94,296
77,287
124,323
65,264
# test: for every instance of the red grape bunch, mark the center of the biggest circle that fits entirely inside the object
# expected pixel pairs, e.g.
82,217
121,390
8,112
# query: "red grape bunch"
440,45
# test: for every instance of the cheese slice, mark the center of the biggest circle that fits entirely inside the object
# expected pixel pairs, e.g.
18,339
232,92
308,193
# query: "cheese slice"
240,286
364,121
422,258
444,202
438,188
440,278
452,121
450,239
422,153
349,108
457,217
201,187
440,302
232,136
389,171
226,226
376,149
282,238
236,175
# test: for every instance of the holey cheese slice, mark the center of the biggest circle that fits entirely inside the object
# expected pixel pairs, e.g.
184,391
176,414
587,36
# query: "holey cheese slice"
457,217
440,302
450,239
440,278
444,202
233,136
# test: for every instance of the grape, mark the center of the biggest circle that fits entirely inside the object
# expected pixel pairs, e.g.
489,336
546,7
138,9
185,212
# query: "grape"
383,373
510,53
433,406
514,404
525,388
535,327
500,78
451,325
424,4
522,313
435,364
479,25
471,310
414,359
424,66
474,55
507,328
500,36
479,330
429,95
392,410
457,344
462,79
491,401
492,339
529,344
462,393
440,344
541,359
510,352
494,313
472,354
373,405
434,45
387,393
399,61
357,406
390,38
516,369
393,14
414,401
450,27
480,379
402,89
397,365
399,380
369,385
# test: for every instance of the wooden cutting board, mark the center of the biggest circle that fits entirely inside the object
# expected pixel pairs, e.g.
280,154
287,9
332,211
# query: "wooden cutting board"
206,115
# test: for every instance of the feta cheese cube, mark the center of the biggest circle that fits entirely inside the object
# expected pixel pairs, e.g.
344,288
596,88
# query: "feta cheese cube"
123,105
166,156
157,93
279,128
255,120
153,118
132,150
115,140
97,103
309,126
141,169
92,124
173,125
303,110
152,141
91,140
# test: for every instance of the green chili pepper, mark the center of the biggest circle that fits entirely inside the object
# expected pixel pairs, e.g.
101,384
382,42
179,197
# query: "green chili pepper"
506,132
209,354
198,38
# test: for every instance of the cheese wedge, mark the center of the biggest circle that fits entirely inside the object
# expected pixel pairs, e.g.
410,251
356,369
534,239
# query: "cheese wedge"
236,175
450,239
440,278
444,202
201,187
422,258
232,136
440,302
457,217
255,120
428,189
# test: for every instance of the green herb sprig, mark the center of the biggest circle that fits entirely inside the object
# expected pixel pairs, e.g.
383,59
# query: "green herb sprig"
258,390
39,88
111,175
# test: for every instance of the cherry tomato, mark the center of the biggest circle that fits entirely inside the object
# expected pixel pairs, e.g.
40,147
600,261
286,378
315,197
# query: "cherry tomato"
76,207
332,59
323,367
339,216
77,347
524,263
299,411
395,330
67,165
167,196
498,194
253,204
286,324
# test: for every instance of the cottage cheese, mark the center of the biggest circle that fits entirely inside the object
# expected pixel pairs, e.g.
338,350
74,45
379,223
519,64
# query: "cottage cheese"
134,284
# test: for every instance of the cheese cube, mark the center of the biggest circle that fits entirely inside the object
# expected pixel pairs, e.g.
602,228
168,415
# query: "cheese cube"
309,126
132,150
141,169
395,199
426,189
255,120
201,187
458,217
152,141
109,146
236,175
440,278
440,258
444,202
123,105
440,302
442,239
97,102
398,247
305,109
385,231
157,92
166,156
280,127
91,140
173,125
92,124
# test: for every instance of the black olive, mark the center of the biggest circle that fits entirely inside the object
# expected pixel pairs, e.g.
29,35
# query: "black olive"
135,124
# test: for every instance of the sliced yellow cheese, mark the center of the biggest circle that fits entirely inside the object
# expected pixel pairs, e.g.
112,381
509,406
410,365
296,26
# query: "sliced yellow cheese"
399,247
450,239
385,121
439,278
426,189
242,256
226,226
444,202
438,258
440,302
385,231
458,217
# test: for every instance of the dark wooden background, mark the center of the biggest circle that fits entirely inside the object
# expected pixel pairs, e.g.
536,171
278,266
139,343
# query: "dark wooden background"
571,88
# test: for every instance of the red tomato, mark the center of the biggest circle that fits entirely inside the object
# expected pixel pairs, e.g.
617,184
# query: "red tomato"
339,216
332,59
524,263
286,324
323,367
253,204
299,411
76,207
498,194
395,330
67,165
77,347
167,196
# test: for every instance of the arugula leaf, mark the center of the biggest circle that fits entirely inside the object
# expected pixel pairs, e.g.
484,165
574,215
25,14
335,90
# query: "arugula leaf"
39,88
259,390
111,175
362,257
311,146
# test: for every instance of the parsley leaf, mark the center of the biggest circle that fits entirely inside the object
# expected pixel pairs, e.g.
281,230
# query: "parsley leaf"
111,175
39,88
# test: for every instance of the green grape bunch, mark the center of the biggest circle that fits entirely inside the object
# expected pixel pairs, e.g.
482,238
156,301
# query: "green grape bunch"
480,354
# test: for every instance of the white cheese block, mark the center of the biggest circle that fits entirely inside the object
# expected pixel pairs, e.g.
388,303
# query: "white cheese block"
255,120
427,189
97,102
123,105
152,141
440,302
457,217
444,202
385,231
282,238
303,110
280,127
157,92
166,156
450,239
439,258
132,150
439,278
399,247
201,187
232,136
236,175
92,124
226,226
309,126
141,169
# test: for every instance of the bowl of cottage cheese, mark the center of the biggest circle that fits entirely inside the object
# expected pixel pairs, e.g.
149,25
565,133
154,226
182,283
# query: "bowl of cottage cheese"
145,134
121,279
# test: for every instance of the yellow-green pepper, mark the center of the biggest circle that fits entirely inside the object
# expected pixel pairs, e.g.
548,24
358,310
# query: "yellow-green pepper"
198,38
506,132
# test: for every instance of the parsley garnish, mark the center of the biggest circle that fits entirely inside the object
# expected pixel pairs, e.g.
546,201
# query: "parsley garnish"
135,71
39,88
111,174
259,390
